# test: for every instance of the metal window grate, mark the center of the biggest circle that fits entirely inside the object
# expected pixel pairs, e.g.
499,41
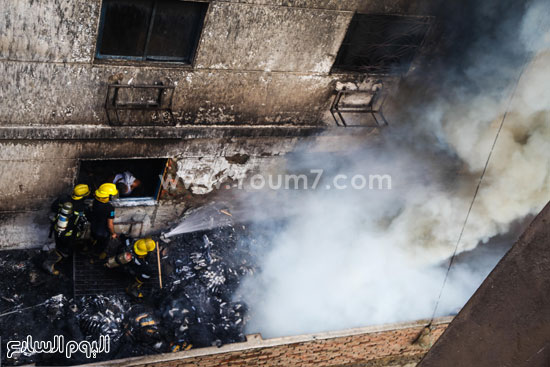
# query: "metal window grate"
381,44
358,104
140,104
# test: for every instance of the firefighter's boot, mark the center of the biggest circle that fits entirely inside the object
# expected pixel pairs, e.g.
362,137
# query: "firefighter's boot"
135,289
54,257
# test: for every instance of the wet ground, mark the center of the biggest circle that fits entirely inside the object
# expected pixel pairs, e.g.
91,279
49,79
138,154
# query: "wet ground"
201,272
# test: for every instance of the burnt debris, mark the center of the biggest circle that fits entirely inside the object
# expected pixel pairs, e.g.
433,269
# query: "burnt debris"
196,307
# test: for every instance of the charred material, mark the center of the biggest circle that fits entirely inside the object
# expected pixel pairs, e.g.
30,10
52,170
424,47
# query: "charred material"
195,308
204,275
101,315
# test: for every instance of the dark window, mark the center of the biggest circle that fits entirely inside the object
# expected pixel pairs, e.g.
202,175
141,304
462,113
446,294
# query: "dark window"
381,44
147,171
155,30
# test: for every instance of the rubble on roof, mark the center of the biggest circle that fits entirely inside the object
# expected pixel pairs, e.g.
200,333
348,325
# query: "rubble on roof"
196,306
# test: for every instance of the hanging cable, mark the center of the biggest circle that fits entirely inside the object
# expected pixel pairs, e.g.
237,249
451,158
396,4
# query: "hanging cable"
524,65
22,309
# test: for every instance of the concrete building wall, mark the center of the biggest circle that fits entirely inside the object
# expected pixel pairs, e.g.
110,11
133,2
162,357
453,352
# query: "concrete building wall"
395,345
257,62
254,63
34,173
260,83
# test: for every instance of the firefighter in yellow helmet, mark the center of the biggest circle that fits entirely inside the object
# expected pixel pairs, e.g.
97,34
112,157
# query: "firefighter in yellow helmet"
103,216
68,225
139,267
80,192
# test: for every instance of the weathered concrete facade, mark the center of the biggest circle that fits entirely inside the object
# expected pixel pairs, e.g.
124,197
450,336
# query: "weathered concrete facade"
257,62
35,172
260,82
254,63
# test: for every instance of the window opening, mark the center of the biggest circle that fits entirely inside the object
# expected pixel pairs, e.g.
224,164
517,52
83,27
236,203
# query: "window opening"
150,30
141,177
381,44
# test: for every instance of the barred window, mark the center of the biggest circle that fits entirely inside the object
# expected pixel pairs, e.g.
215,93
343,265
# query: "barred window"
381,44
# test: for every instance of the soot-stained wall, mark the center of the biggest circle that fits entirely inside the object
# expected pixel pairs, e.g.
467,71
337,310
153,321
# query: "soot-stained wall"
257,62
34,173
260,84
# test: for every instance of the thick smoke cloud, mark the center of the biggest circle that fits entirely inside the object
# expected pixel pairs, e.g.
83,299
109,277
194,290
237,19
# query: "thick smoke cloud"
349,258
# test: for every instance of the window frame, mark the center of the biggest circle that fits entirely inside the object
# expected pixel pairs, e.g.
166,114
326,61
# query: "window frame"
131,201
144,59
339,67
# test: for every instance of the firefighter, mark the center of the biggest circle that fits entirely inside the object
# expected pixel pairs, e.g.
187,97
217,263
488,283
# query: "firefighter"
68,226
139,266
80,192
133,259
142,328
102,218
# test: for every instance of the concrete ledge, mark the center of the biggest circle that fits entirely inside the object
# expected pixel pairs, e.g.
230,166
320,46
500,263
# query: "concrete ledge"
255,341
95,132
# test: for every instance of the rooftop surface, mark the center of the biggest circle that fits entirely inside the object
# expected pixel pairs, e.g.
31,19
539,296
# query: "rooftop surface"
506,322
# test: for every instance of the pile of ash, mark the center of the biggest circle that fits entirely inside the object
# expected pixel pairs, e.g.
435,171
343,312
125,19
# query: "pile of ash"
195,308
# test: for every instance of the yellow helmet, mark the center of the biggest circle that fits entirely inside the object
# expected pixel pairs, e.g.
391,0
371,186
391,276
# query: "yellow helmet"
80,191
144,246
106,192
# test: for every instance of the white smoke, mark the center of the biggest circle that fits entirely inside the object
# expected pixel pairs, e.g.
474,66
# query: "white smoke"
358,257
